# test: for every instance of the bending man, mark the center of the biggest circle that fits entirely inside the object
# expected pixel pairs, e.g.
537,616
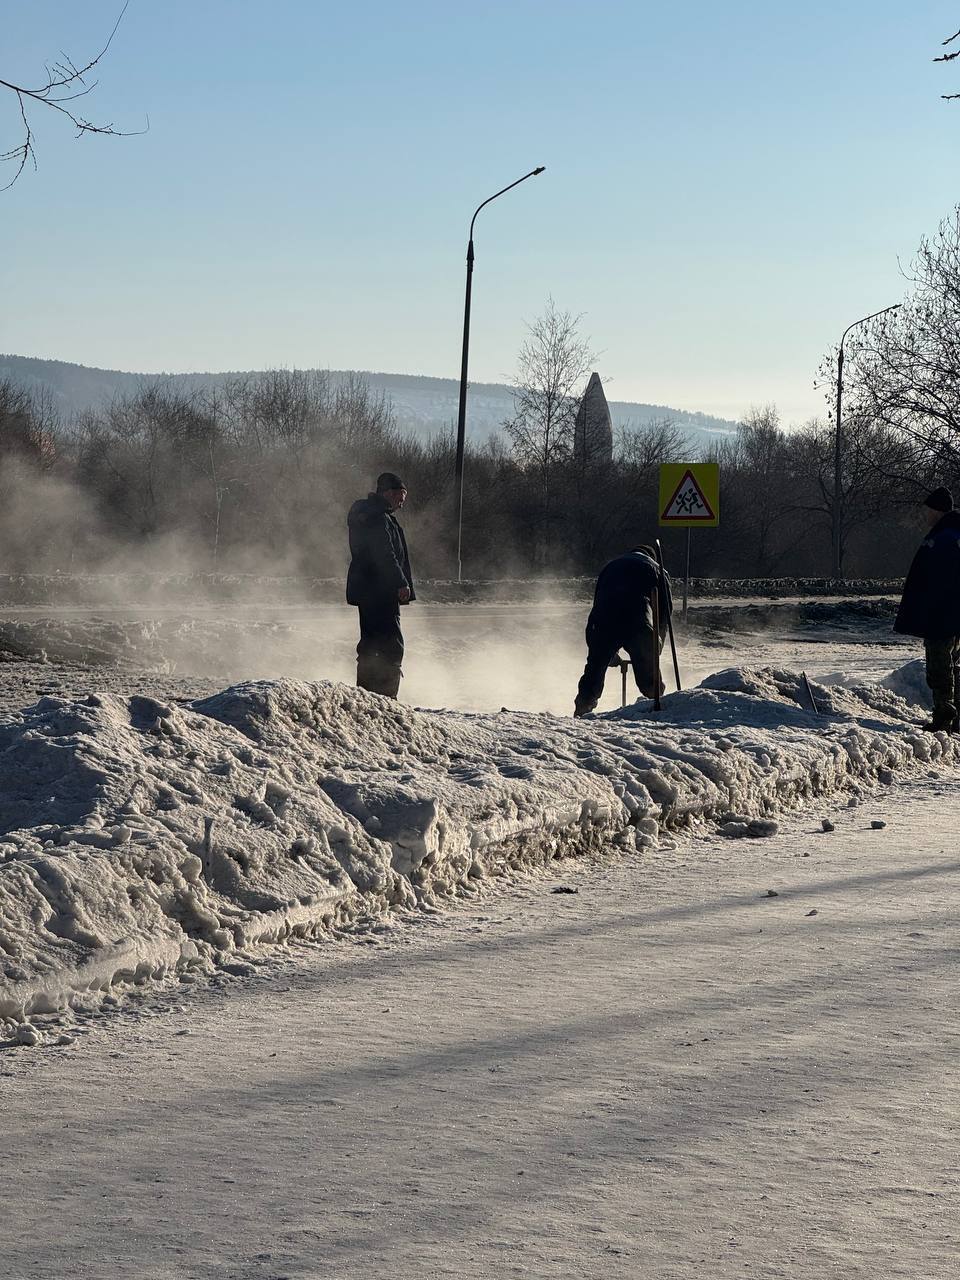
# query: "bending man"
379,581
622,618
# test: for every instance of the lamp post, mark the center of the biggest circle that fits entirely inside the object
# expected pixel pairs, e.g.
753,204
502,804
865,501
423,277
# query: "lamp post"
462,411
838,445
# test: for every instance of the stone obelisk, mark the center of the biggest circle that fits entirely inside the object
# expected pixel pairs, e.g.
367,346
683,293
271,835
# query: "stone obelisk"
593,429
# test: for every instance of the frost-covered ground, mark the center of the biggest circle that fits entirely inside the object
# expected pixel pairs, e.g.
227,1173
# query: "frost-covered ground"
666,1073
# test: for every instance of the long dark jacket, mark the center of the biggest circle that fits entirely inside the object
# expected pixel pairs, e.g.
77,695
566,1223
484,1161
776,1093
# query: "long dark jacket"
622,591
930,606
380,563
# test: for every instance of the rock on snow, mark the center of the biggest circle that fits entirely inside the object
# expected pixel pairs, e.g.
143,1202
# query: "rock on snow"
139,839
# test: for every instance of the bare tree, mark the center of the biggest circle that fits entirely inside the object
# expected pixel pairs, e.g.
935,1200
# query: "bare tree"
554,359
760,453
29,422
881,472
642,448
903,370
65,83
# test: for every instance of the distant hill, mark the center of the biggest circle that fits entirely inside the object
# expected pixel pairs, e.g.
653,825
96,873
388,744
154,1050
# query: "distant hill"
422,405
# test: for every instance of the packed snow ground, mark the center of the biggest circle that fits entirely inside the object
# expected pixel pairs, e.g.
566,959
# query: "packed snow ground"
666,1073
141,840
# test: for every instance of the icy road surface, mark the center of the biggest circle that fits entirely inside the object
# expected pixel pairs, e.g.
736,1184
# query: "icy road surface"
666,1074
477,657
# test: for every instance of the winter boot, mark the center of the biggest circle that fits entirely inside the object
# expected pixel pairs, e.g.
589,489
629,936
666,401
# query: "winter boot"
941,725
378,674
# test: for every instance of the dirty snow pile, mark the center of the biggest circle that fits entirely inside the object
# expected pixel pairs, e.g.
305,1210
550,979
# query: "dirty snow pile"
140,840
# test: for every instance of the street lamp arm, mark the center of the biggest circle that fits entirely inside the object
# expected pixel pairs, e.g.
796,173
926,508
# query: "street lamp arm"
873,315
532,174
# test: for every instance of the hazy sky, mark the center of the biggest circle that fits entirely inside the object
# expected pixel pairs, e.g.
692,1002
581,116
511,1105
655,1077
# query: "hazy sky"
727,185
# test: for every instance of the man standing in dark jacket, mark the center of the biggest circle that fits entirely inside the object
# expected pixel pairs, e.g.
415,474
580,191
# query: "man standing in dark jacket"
379,581
622,618
930,607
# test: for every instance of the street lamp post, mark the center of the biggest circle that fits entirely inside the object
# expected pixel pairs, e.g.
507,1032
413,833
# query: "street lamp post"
462,411
838,446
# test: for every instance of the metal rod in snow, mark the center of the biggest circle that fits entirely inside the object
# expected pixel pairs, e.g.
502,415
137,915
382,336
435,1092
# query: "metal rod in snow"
655,609
813,701
673,643
686,578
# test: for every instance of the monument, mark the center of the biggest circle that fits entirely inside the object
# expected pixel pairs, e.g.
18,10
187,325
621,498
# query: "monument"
593,429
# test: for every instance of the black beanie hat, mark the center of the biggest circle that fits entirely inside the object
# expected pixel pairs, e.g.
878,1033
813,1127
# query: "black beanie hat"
389,480
940,500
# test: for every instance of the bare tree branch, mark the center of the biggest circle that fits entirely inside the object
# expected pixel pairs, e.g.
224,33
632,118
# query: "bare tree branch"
65,83
949,57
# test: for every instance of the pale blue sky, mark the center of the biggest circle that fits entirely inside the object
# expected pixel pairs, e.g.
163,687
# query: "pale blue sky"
727,186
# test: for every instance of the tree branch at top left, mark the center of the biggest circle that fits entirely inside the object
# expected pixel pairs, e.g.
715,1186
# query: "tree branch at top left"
949,57
65,84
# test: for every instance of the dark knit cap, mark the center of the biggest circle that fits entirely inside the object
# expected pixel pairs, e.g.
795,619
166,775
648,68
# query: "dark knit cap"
940,500
389,480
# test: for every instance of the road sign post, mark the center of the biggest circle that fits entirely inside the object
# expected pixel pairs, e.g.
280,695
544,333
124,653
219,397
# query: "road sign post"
655,612
673,643
689,499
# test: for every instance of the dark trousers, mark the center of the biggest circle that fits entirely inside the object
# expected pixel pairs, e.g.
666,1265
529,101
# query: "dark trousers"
380,651
943,677
605,638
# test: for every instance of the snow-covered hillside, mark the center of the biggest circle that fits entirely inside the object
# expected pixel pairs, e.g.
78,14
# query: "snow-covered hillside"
424,405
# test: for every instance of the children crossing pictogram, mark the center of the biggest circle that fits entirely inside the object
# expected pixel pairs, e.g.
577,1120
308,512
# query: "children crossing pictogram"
688,502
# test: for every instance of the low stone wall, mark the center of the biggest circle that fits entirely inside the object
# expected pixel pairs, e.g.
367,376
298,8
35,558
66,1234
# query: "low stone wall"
100,590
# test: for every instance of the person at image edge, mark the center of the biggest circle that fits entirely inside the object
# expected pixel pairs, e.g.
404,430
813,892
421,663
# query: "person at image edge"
930,607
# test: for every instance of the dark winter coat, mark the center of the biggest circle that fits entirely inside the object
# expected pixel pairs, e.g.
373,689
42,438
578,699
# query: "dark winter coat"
380,563
623,588
930,606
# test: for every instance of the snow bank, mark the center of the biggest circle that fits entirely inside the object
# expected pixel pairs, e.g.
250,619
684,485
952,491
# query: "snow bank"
139,839
910,683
